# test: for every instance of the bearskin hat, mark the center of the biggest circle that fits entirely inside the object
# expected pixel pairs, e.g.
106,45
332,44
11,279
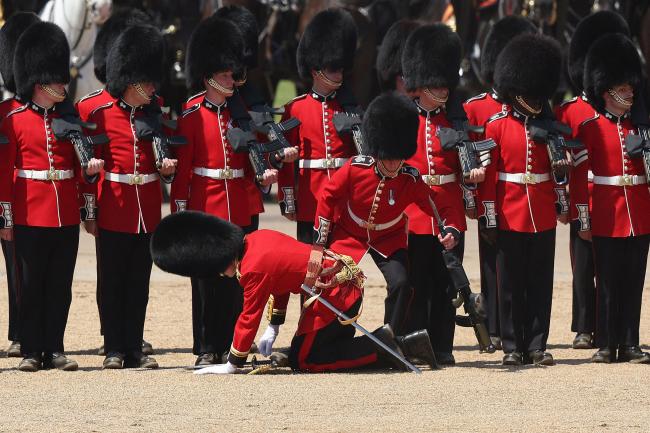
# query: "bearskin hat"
502,32
588,30
9,34
529,65
329,42
119,21
196,244
216,45
390,127
136,56
42,56
431,58
389,57
247,25
611,60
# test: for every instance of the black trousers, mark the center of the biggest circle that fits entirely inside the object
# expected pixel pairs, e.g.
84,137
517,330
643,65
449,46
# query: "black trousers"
305,232
525,280
620,270
98,287
583,316
46,257
216,305
333,347
9,253
431,307
124,272
399,295
487,251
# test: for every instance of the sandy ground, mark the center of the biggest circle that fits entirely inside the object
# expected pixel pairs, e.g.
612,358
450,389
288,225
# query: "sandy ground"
478,394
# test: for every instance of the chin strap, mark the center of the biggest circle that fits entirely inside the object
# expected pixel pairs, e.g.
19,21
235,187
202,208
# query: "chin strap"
329,82
527,107
138,88
58,97
219,88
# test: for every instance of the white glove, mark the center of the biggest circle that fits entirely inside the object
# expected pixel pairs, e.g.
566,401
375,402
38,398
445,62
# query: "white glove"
484,158
226,368
265,345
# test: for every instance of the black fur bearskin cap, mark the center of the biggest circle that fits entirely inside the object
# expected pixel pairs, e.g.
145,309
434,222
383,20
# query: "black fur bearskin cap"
9,34
389,57
390,127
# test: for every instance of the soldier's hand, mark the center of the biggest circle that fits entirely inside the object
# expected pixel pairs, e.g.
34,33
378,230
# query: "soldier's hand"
168,166
265,344
291,216
449,241
585,235
94,166
270,176
476,175
226,368
7,234
91,227
471,213
290,154
563,218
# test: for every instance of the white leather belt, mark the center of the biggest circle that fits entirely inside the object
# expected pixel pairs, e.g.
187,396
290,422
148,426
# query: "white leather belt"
590,176
438,179
524,178
131,179
46,174
324,163
624,180
219,173
373,226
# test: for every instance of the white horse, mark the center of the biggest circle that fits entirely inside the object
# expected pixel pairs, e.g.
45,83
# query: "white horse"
79,20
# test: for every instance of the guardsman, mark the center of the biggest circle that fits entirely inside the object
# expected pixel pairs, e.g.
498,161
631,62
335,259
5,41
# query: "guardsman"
38,195
573,112
9,34
519,198
479,109
362,208
212,177
389,56
620,199
325,52
119,21
129,200
268,263
430,64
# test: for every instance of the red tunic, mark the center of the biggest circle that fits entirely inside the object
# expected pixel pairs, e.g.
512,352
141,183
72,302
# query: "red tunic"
616,211
318,142
33,146
124,207
6,106
573,112
276,264
358,191
255,204
431,160
520,207
205,126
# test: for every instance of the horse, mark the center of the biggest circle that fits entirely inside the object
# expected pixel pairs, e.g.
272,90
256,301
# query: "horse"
80,21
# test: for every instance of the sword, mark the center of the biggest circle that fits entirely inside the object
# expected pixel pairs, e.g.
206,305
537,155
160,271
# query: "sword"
341,315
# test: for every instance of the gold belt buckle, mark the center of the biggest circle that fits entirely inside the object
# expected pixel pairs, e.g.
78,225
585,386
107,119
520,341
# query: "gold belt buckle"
329,163
136,179
529,178
53,174
433,180
625,180
227,173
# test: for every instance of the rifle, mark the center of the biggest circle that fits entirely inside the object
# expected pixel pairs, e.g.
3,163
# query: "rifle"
457,138
150,127
243,138
547,130
638,146
68,127
473,302
348,121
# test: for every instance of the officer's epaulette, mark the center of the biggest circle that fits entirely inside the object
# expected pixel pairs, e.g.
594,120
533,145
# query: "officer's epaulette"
584,122
109,104
195,96
476,98
569,101
497,116
412,171
91,95
17,110
363,160
191,109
